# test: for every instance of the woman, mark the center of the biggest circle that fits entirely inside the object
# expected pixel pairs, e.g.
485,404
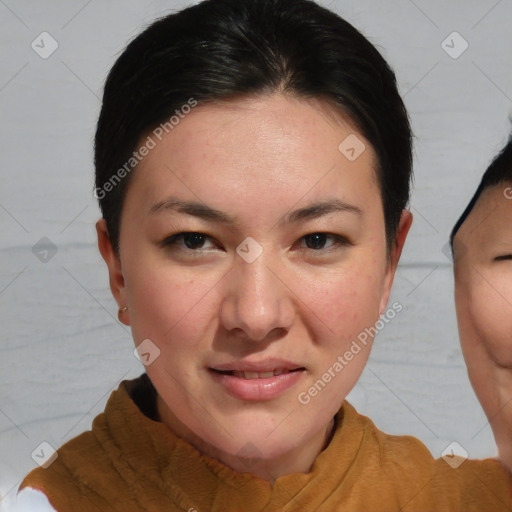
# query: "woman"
253,164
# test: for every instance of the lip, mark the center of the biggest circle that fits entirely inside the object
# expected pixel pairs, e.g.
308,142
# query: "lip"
259,389
265,365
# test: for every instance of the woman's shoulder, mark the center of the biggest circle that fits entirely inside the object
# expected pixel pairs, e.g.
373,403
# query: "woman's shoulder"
96,460
403,464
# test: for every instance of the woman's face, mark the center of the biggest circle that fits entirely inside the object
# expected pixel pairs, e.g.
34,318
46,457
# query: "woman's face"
283,263
483,276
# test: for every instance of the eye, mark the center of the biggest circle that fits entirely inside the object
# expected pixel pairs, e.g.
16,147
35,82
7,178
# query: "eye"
503,258
318,241
189,240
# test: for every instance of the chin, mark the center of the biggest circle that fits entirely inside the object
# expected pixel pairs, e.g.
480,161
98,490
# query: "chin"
262,437
256,446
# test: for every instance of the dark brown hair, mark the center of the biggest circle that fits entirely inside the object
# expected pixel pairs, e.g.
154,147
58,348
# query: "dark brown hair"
219,49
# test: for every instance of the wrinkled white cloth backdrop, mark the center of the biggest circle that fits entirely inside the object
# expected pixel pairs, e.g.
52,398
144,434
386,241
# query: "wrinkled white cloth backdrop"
63,350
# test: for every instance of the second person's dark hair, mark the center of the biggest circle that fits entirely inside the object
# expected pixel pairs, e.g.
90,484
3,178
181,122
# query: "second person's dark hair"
221,49
499,171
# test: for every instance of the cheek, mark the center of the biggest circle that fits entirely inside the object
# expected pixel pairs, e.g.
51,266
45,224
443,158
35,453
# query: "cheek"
490,308
168,303
347,302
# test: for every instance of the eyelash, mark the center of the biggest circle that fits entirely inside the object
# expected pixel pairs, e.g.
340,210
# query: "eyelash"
173,240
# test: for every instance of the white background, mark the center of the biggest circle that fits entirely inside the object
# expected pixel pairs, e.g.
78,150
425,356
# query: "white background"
63,350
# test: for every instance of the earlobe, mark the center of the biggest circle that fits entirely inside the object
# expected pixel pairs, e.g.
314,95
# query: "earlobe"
401,234
115,270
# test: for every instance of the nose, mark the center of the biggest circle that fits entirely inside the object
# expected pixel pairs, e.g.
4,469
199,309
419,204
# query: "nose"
257,303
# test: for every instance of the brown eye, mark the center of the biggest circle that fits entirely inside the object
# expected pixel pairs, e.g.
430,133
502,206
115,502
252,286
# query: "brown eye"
190,240
315,240
193,240
320,241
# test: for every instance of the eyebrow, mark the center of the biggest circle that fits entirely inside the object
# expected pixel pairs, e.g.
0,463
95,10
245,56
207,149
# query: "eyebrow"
319,209
205,212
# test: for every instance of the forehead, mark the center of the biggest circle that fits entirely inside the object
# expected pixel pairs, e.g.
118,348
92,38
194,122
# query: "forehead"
490,221
243,150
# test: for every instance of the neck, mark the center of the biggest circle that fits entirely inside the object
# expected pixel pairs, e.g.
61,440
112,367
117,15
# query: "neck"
298,460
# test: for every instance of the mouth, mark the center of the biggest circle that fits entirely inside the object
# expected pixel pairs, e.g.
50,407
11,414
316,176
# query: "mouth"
257,381
250,374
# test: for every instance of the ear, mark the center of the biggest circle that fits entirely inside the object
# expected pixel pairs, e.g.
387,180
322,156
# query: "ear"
115,269
401,234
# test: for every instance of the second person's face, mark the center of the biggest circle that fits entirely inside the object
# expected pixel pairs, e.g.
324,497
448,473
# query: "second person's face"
483,275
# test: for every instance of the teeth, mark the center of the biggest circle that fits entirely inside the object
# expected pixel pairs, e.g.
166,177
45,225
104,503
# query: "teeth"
259,375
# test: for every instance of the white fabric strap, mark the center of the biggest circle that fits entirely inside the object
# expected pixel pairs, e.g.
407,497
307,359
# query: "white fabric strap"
30,500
